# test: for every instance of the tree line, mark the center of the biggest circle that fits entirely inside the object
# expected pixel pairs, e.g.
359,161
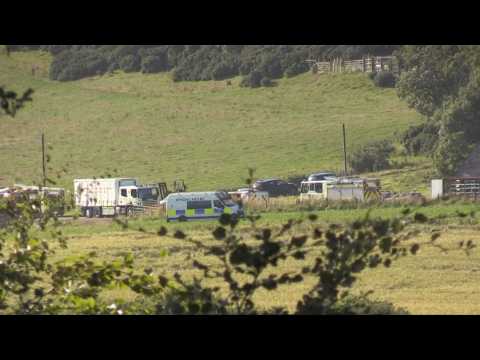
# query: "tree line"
442,83
258,64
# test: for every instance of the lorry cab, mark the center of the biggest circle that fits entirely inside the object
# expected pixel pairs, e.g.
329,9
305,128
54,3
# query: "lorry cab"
129,196
138,196
200,206
314,190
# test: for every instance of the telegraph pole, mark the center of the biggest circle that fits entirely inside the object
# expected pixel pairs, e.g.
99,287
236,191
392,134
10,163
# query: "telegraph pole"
43,161
345,149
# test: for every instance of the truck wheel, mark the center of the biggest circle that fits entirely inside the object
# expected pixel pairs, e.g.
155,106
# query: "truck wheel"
129,212
182,219
88,213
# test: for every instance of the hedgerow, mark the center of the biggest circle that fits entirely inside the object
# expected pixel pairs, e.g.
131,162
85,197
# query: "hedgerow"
194,62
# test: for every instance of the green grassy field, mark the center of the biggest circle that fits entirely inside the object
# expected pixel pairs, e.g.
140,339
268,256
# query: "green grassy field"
207,133
429,283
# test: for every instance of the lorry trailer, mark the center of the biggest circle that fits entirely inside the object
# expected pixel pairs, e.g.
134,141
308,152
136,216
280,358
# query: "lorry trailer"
341,189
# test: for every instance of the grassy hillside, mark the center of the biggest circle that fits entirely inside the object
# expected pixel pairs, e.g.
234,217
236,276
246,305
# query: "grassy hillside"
208,133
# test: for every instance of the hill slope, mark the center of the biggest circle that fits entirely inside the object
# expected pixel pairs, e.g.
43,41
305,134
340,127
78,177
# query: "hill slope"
207,133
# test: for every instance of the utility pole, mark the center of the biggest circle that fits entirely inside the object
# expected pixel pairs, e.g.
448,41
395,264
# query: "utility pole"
345,149
43,161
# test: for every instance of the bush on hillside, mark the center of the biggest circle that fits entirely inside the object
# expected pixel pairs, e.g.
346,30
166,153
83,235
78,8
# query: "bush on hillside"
296,69
154,64
254,80
266,82
421,139
372,75
372,157
245,69
271,67
385,80
130,63
357,305
69,65
223,71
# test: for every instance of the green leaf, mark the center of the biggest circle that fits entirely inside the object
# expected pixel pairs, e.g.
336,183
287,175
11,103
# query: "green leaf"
199,265
385,244
180,235
225,219
270,249
220,233
163,253
299,255
435,236
217,251
270,284
420,218
240,255
163,281
162,231
414,249
299,241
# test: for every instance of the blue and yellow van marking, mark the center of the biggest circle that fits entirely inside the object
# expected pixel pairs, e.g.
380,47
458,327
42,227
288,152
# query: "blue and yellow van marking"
195,213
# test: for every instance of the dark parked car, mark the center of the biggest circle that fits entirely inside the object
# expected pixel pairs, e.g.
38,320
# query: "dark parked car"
321,176
276,187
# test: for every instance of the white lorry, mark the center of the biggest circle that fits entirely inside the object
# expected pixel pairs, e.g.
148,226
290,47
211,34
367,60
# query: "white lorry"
111,197
341,189
248,194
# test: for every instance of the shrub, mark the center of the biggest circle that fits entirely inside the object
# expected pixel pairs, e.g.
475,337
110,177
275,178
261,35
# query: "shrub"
358,305
73,65
154,64
450,153
373,157
385,80
296,69
270,67
113,67
245,69
222,71
130,63
372,75
266,82
421,139
254,80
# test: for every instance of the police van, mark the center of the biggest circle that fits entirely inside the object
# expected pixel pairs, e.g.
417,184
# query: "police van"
199,206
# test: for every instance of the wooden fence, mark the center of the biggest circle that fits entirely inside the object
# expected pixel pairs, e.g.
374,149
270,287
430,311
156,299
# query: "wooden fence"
366,65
